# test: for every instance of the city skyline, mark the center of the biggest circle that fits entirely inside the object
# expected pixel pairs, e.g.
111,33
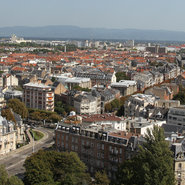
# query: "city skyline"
158,15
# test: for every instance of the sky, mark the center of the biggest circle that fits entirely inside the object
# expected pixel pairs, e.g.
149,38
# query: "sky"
139,14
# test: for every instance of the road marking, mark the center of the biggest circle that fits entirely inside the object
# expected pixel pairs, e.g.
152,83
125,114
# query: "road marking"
9,167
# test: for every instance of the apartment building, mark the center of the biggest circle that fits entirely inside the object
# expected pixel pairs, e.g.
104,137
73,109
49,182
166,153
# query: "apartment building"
77,81
100,147
126,87
87,104
176,116
97,77
179,159
167,103
38,96
8,80
136,104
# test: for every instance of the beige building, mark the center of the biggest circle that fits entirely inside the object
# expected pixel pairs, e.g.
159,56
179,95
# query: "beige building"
7,136
167,103
77,81
38,96
126,87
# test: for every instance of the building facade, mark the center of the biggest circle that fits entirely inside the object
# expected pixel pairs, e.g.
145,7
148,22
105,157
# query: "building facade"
176,116
97,147
38,96
126,87
7,136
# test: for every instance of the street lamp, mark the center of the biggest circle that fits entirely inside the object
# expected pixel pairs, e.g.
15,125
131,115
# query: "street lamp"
33,141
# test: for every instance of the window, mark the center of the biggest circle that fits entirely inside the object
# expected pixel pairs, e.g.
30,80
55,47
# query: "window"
179,166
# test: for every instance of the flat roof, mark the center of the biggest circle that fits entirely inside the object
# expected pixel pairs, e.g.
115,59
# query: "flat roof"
39,85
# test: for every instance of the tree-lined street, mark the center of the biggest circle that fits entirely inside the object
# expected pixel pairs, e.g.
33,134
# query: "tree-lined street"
14,160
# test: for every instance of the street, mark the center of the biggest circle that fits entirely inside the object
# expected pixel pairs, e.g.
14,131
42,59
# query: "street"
14,161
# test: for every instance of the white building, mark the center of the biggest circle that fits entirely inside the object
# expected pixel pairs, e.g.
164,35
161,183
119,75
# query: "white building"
38,96
140,125
136,104
7,136
87,104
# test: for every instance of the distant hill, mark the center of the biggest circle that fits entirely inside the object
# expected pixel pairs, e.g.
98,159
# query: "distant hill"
75,32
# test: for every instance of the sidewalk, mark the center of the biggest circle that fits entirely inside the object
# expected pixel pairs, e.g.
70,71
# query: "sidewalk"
26,146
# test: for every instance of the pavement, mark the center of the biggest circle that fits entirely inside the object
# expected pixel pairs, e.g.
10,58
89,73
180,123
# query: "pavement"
14,160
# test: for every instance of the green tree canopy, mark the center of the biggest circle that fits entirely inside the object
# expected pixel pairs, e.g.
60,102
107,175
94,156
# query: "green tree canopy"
18,107
7,113
152,165
52,167
121,76
180,96
101,178
6,180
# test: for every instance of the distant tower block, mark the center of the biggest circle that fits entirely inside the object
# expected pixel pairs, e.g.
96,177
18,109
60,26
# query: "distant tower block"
65,49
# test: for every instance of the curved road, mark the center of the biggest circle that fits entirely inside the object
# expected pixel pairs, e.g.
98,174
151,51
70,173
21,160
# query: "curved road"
14,160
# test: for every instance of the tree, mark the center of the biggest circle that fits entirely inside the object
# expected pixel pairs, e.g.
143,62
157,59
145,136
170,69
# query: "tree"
121,76
18,107
180,96
152,165
54,117
52,167
101,178
6,180
3,175
7,113
108,107
13,180
53,79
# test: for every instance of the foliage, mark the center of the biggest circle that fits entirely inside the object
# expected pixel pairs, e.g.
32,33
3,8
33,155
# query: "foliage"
121,110
101,178
121,76
53,79
54,118
7,113
78,88
112,106
152,165
52,167
6,180
40,115
180,96
69,47
62,108
18,107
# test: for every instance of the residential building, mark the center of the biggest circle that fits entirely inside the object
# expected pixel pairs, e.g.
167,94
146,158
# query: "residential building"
179,159
38,96
100,147
97,77
86,104
167,103
162,92
176,116
8,80
7,136
77,81
136,104
126,87
139,125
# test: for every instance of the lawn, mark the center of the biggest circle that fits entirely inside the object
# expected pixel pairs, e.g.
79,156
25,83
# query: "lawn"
37,135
